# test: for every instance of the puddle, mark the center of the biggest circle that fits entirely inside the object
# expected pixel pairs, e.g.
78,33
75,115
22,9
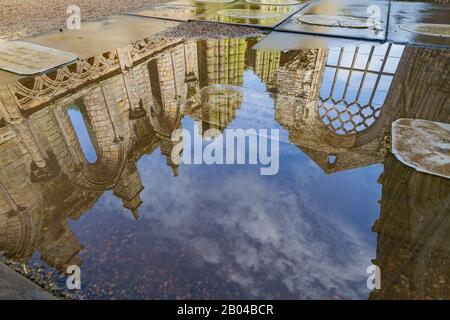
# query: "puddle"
172,8
420,23
275,2
293,41
183,10
216,1
336,21
97,37
89,177
245,15
435,30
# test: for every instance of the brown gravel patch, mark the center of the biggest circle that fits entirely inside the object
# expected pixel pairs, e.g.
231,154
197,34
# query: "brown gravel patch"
22,18
208,30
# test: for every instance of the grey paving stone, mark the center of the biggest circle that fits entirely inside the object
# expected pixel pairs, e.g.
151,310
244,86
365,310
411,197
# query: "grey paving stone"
14,286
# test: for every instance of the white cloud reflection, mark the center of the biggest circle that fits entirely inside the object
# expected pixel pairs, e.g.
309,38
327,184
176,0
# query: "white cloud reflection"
256,231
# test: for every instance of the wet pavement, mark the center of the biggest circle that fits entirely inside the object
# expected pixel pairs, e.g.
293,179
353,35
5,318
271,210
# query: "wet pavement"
404,14
88,175
24,58
97,37
340,19
249,14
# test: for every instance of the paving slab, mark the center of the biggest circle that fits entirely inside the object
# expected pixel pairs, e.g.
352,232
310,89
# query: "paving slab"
99,36
281,41
14,286
346,18
423,145
242,13
276,2
24,58
265,13
182,10
420,23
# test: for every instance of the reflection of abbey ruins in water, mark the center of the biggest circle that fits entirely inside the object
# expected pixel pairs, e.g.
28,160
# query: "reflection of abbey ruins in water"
131,103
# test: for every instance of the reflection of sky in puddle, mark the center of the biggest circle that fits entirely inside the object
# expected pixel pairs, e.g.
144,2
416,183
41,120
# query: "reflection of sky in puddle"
295,235
77,121
360,74
224,231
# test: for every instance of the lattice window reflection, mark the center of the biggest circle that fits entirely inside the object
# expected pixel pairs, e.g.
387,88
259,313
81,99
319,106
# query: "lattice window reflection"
355,85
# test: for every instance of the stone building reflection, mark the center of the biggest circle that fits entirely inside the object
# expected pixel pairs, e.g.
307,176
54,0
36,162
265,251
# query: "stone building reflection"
45,178
413,227
413,244
135,104
220,62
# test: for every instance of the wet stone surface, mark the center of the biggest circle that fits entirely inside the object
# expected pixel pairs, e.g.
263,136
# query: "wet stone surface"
336,21
13,286
423,145
350,19
435,30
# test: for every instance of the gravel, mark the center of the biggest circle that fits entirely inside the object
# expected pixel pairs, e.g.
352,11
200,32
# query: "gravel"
208,30
23,18
47,279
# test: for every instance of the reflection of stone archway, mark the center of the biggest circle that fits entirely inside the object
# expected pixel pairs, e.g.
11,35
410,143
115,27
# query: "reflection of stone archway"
169,89
172,75
330,151
301,117
110,146
21,213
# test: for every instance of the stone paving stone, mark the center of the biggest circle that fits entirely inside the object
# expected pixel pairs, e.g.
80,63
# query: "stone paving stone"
242,13
28,59
261,13
339,12
423,145
280,41
417,13
181,10
97,37
14,286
